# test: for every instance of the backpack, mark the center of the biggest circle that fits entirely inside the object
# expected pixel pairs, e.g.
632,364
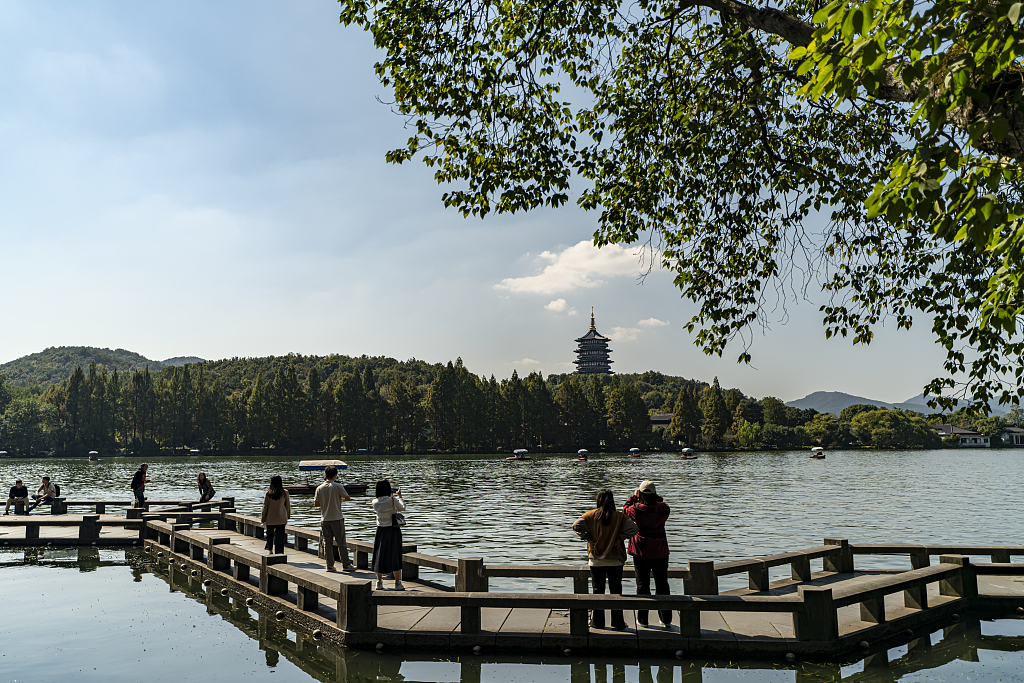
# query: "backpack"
56,488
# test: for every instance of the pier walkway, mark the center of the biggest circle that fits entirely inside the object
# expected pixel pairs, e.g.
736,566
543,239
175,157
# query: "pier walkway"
818,612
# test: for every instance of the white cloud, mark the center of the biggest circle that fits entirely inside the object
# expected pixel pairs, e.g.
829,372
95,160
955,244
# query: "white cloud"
560,306
526,361
579,266
624,334
652,322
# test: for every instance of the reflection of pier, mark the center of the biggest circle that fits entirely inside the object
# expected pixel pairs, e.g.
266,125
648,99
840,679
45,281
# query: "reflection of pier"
824,608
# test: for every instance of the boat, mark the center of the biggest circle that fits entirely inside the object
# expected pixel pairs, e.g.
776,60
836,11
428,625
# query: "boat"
582,454
519,454
194,453
687,454
94,456
308,466
634,452
818,453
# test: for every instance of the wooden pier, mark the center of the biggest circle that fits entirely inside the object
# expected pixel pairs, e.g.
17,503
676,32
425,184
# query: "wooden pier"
816,613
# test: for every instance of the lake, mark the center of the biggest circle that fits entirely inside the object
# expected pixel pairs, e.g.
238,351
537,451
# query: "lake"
724,506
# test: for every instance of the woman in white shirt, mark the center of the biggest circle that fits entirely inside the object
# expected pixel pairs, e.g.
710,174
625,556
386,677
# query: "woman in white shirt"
387,544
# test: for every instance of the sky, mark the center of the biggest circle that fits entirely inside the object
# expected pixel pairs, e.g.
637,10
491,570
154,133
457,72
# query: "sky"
208,179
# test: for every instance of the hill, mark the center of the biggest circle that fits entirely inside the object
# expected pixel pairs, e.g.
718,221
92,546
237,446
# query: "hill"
834,402
56,363
178,361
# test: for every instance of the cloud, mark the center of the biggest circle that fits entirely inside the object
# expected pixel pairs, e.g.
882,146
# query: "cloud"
624,334
526,361
560,306
652,322
580,266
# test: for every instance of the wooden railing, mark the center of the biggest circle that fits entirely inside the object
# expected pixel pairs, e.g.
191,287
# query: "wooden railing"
813,607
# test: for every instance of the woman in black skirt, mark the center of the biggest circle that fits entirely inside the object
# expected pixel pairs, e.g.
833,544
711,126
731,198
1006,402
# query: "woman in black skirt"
387,544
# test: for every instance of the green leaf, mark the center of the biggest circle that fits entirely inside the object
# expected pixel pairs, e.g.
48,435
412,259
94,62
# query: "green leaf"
1014,14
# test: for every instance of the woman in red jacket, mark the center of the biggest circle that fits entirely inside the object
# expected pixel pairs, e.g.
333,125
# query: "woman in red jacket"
649,547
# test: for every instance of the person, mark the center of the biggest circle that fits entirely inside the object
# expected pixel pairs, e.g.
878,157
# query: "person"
328,497
43,495
387,543
17,495
206,491
277,509
139,482
604,529
649,548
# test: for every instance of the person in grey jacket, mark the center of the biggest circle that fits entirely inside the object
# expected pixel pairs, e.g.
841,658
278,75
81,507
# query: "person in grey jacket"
328,497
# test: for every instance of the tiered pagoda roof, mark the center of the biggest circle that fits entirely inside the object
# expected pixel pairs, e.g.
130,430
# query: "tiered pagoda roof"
592,352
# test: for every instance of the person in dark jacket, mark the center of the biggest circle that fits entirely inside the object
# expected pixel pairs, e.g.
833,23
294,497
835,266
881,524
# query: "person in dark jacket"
18,495
139,482
649,547
206,491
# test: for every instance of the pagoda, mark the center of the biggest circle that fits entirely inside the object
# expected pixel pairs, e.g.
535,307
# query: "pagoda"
592,352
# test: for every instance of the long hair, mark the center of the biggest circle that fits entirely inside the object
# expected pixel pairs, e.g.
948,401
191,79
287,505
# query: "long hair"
650,498
202,477
606,502
383,489
276,489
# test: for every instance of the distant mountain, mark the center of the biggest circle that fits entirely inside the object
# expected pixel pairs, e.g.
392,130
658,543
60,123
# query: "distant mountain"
56,363
834,402
178,361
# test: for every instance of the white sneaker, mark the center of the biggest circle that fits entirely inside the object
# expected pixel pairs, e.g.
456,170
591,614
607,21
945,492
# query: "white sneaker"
399,586
380,586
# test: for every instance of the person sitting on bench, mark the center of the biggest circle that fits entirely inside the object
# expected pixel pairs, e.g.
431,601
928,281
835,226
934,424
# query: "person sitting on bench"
17,496
46,493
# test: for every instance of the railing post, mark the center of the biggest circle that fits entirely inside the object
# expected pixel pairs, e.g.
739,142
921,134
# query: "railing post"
470,577
134,513
841,563
178,546
757,578
222,523
689,623
410,571
579,621
272,585
964,585
1003,557
240,572
90,530
581,581
917,598
195,551
101,508
800,568
216,562
873,611
307,599
817,620
356,611
362,559
702,579
470,619
31,531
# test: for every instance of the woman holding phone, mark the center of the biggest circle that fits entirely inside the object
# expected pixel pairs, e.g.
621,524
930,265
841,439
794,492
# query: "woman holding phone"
387,544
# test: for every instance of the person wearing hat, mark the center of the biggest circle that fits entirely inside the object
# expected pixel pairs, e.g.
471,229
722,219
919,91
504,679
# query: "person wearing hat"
604,529
649,547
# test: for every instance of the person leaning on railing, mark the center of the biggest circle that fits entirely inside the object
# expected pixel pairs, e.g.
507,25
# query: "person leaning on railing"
17,495
649,548
604,529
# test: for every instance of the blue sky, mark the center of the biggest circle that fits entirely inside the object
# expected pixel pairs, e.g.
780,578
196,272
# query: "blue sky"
208,179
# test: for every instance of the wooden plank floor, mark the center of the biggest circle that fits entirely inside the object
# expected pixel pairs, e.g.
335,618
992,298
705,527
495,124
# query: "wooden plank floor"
535,629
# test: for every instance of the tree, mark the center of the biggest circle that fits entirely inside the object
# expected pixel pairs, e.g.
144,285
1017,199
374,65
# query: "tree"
628,419
774,411
686,418
849,412
573,410
716,417
721,129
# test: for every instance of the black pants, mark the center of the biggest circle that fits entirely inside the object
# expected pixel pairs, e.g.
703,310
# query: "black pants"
644,569
613,575
276,537
39,501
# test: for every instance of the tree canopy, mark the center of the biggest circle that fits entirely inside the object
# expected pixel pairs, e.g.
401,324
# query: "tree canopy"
869,148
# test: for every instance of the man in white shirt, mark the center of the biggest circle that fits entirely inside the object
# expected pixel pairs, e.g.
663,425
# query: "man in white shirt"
328,497
46,493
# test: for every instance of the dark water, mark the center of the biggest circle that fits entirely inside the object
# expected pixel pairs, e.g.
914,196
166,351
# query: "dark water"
118,621
108,616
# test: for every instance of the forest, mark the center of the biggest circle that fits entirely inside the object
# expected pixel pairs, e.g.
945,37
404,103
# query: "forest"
334,404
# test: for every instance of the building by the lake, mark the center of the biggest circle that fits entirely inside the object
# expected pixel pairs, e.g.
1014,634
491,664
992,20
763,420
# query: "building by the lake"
592,352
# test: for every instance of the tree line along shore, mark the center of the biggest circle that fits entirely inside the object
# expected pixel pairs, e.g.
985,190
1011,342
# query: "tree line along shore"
306,404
